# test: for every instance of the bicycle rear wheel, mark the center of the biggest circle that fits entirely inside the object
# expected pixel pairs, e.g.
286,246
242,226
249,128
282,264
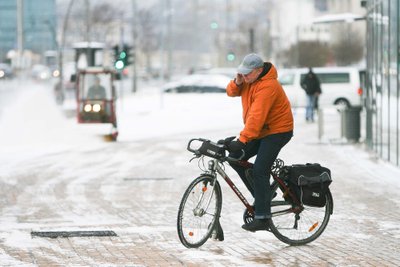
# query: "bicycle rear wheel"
294,226
199,211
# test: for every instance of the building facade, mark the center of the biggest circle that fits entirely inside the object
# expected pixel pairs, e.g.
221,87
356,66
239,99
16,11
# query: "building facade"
382,104
39,26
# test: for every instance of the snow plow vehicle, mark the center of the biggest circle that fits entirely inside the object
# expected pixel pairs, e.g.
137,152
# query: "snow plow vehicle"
96,98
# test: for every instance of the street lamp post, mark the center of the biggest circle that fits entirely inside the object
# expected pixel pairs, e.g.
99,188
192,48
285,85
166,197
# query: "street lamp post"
20,32
61,46
134,45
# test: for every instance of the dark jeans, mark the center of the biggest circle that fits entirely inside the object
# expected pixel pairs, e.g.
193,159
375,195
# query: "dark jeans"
267,150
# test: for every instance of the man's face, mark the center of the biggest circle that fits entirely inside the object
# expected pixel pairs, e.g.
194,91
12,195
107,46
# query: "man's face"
252,76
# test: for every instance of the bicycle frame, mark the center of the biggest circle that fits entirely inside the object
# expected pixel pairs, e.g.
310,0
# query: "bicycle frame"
297,208
214,166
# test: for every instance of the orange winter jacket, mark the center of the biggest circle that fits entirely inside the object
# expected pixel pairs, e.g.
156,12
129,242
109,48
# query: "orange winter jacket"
266,108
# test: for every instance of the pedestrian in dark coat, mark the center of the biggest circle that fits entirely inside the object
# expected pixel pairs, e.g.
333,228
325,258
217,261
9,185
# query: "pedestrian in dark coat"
312,87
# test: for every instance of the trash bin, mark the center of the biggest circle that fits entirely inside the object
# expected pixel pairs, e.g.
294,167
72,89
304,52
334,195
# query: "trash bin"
352,123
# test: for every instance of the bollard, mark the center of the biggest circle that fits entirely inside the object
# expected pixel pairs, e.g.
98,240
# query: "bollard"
341,110
320,124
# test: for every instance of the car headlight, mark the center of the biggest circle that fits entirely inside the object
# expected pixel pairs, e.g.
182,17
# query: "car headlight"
56,73
96,107
2,73
43,75
87,108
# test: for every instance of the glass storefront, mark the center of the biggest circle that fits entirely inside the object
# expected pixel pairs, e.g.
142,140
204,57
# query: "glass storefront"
382,92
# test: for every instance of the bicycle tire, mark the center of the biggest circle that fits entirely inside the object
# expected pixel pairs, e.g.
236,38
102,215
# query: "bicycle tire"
199,211
311,223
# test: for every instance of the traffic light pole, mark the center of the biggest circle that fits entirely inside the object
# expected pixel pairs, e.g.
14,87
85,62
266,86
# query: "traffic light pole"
134,45
121,83
61,47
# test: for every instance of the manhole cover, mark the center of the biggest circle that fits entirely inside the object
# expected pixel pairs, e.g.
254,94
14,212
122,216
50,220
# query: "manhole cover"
55,234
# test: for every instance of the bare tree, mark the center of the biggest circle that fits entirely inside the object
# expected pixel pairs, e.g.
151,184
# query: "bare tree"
103,18
148,36
307,54
348,49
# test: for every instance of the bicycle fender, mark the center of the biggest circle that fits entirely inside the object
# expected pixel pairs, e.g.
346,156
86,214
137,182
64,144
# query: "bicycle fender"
329,194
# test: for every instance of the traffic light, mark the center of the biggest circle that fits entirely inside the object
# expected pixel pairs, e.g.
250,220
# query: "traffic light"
214,25
116,51
123,57
128,54
120,56
230,56
119,64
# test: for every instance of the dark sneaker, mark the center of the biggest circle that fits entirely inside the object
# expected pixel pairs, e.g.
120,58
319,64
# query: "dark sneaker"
257,225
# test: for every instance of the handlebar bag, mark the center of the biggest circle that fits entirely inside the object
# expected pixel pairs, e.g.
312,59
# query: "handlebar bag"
212,150
310,182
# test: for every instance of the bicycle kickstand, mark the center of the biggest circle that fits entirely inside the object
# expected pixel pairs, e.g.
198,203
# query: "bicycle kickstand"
218,233
297,217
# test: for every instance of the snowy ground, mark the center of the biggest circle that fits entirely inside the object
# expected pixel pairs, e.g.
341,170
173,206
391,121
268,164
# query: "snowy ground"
56,174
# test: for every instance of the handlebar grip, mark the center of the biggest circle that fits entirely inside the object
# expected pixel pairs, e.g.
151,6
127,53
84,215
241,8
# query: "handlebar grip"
189,143
195,139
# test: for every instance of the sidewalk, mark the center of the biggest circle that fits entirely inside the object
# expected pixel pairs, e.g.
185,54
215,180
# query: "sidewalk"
136,189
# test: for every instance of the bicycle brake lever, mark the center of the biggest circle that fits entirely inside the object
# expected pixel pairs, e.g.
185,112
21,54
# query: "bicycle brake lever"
243,154
195,157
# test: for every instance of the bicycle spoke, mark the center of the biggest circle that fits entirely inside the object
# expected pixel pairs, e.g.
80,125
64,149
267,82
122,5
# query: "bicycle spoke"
282,212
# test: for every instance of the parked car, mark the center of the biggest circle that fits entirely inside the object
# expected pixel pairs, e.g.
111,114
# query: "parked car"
339,85
198,83
230,72
40,72
6,71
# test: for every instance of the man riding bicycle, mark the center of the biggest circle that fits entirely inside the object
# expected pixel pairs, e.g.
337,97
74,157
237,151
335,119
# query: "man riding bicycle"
268,126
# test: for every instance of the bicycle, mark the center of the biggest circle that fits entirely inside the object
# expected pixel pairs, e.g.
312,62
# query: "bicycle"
199,211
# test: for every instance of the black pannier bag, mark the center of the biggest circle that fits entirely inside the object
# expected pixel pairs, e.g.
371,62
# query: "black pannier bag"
212,149
310,182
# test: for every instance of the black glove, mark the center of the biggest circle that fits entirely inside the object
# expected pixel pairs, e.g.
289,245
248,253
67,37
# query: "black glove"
235,146
226,141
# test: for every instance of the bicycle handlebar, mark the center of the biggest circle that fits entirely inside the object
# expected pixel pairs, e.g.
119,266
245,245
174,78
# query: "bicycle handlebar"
190,142
212,153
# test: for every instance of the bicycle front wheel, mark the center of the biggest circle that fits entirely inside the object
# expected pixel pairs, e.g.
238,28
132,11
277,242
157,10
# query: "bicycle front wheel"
199,211
295,226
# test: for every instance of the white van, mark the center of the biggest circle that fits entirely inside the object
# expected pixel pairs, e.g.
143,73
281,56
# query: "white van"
339,85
